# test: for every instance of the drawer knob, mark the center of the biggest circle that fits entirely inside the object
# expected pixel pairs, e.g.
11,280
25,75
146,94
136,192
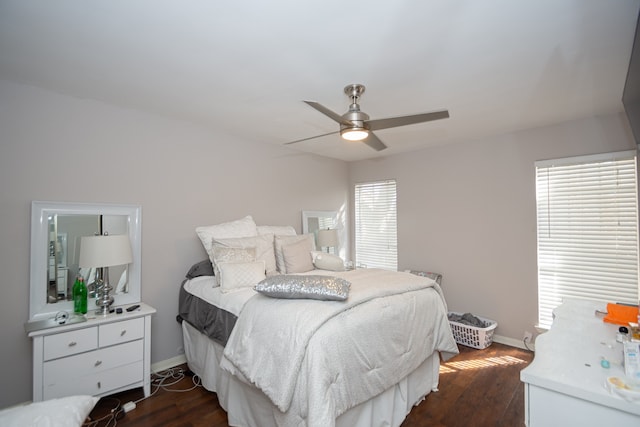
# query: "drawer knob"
72,343
124,331
99,385
98,363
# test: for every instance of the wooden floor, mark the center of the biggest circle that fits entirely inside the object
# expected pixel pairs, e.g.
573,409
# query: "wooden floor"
477,388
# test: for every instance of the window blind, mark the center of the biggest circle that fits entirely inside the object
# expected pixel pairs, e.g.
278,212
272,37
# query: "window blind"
587,222
376,238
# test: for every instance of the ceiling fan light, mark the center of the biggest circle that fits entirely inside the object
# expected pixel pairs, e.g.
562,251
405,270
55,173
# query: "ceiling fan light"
357,134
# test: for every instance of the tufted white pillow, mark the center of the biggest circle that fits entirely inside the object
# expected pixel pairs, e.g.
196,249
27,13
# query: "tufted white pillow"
236,275
245,227
222,254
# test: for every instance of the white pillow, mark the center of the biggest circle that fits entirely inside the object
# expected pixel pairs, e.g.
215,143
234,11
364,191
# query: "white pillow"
280,241
244,227
277,230
262,244
297,257
325,261
222,254
68,411
236,275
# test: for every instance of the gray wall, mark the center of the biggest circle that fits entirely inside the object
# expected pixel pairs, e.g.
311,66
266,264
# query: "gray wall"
58,148
468,211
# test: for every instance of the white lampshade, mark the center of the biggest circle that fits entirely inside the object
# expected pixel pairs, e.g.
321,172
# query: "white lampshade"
105,251
327,238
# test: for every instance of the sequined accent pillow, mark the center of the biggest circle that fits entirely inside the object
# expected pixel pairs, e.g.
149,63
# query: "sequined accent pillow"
318,287
263,246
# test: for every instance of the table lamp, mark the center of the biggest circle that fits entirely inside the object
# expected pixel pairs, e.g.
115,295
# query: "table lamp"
102,252
327,238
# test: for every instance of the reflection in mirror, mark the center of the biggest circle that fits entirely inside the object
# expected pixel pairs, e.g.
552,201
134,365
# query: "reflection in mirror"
312,221
65,232
56,231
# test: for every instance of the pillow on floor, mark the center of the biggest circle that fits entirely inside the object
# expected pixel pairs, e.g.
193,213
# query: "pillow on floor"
63,412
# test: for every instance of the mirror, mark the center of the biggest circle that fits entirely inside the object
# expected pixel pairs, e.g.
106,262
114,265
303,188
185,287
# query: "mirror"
56,229
312,221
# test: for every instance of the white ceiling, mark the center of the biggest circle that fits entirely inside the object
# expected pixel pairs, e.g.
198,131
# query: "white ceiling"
245,66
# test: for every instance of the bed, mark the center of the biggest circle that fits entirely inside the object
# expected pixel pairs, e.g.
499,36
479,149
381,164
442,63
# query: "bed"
362,352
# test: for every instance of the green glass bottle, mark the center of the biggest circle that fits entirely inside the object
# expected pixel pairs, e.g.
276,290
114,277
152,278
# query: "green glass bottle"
75,291
83,296
79,296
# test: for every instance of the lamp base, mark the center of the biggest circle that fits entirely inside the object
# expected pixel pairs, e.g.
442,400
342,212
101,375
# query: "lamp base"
103,299
105,310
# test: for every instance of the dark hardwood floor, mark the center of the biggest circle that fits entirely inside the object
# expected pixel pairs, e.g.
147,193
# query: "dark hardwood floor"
477,388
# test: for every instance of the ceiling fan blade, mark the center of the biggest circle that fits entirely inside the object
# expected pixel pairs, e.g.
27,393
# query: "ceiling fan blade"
393,122
374,142
311,137
327,112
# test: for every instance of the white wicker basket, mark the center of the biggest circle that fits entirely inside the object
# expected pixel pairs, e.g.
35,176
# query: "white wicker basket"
472,336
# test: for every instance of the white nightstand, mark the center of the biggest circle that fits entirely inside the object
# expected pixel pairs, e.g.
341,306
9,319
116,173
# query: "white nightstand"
104,355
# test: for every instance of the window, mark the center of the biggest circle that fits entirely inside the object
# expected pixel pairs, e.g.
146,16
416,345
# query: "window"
376,225
587,230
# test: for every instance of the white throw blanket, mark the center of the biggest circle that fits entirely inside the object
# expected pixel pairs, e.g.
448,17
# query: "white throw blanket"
316,359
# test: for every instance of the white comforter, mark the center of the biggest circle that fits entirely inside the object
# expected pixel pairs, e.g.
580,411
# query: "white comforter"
316,359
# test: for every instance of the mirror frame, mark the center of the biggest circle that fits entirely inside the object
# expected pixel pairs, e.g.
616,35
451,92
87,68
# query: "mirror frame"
40,212
306,215
317,214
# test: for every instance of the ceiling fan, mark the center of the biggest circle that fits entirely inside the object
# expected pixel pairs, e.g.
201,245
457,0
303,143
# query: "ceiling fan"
356,126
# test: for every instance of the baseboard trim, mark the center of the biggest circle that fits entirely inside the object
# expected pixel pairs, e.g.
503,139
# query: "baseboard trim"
512,342
168,363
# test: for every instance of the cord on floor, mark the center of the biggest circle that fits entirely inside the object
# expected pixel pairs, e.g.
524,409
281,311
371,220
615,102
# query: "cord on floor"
164,380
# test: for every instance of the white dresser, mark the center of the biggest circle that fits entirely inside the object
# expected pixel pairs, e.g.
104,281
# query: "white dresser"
104,355
565,383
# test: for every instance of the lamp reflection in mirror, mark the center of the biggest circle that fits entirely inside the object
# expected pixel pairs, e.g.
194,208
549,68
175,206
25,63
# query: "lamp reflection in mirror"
102,252
328,238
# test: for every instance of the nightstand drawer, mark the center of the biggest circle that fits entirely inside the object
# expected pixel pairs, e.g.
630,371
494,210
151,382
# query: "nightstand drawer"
94,372
100,383
68,343
119,332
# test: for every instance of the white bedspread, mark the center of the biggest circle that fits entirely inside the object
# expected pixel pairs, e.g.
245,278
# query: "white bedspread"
316,359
